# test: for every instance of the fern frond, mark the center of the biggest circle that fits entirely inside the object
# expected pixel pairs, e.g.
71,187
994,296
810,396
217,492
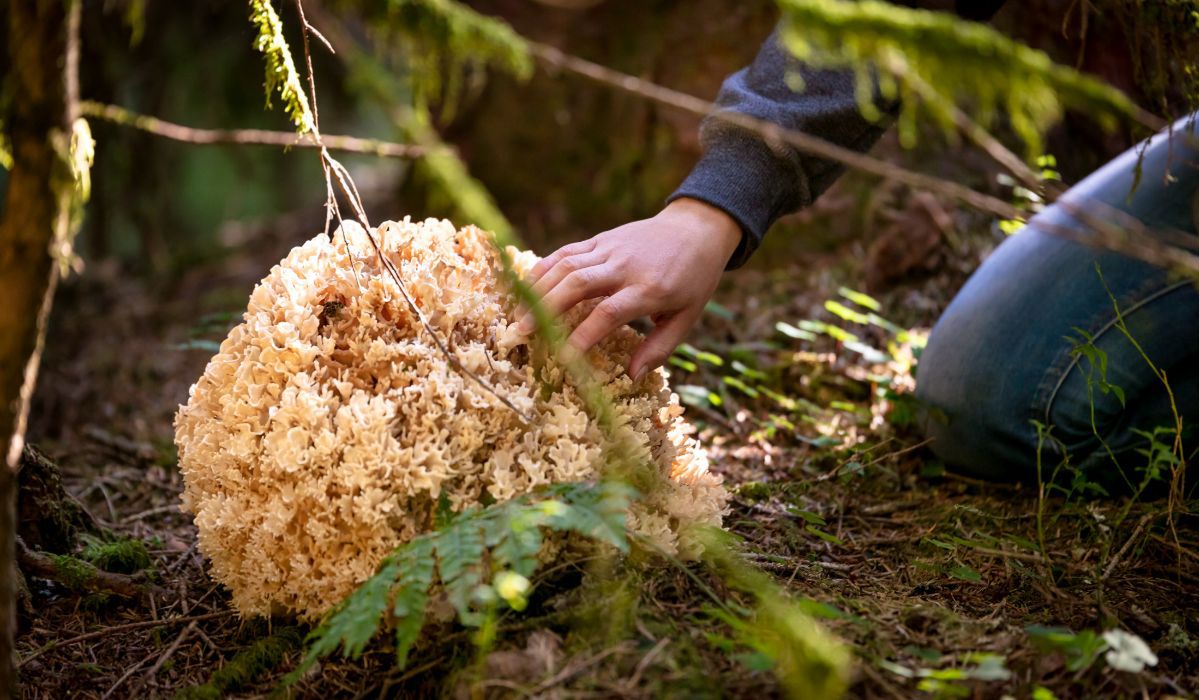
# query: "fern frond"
600,513
514,536
933,61
505,535
281,73
460,563
417,566
356,623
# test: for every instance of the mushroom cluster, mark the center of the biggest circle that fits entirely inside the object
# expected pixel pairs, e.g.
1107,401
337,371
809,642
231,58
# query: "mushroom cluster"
329,426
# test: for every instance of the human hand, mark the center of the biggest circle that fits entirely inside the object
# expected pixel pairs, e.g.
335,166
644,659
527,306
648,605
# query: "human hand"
665,267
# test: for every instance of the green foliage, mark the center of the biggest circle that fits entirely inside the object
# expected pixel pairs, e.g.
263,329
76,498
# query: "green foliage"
440,40
951,682
451,179
1164,38
1081,649
809,662
246,666
135,19
281,73
72,573
119,555
479,557
412,596
441,168
934,61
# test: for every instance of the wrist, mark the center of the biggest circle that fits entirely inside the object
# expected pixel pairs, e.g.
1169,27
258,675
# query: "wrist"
712,224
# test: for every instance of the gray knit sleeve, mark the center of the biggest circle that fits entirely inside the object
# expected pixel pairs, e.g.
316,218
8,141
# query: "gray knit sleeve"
754,182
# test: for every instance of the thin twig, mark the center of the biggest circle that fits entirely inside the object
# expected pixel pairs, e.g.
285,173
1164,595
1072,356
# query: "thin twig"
124,628
125,676
571,671
346,183
159,510
191,627
1136,533
1137,240
772,133
247,137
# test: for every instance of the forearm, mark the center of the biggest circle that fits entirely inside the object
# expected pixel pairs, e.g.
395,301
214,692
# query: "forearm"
755,182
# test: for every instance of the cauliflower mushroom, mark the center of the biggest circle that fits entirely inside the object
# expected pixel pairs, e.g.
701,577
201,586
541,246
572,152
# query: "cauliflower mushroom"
326,429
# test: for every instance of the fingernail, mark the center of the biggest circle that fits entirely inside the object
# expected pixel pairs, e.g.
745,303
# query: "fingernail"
640,373
525,325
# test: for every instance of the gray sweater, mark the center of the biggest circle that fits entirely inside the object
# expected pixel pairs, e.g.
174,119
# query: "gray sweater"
756,183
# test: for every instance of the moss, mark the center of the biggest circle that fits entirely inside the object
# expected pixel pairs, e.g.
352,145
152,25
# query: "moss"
246,666
754,491
72,573
122,556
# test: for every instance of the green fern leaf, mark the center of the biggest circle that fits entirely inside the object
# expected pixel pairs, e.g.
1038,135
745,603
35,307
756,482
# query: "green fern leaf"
460,552
355,624
416,564
599,512
514,537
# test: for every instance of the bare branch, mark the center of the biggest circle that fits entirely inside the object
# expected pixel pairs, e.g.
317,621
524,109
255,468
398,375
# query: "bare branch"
1105,227
771,132
247,137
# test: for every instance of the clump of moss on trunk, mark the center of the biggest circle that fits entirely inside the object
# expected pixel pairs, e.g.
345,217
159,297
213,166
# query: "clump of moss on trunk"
124,555
71,572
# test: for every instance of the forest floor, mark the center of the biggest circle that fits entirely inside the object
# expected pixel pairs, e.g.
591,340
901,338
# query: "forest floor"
940,583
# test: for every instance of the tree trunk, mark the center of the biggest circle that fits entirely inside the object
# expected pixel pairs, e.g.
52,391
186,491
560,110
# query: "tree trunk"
36,212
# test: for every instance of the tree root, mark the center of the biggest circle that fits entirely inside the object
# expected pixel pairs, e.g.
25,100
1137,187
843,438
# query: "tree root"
79,575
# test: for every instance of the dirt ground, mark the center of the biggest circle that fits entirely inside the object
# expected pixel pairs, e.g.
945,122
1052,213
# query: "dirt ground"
919,569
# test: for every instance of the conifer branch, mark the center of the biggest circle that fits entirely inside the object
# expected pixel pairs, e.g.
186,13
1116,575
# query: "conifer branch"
248,137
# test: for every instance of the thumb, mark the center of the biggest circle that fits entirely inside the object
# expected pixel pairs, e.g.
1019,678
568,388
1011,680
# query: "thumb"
661,341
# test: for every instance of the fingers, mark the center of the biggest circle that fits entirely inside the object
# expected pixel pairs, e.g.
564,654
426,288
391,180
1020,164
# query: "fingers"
661,341
607,316
580,285
548,262
550,279
565,267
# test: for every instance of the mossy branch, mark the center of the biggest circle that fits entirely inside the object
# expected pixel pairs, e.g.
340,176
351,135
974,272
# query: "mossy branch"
281,73
78,575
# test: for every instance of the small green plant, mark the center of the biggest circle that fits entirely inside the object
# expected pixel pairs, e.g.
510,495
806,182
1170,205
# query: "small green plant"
479,557
954,682
1081,649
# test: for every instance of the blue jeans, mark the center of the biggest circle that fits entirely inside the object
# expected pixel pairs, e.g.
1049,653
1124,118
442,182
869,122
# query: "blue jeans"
1004,356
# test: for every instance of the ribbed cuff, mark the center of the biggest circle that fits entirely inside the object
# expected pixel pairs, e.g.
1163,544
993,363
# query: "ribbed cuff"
740,175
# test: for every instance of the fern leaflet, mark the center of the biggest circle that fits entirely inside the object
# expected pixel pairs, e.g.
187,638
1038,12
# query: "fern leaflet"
412,595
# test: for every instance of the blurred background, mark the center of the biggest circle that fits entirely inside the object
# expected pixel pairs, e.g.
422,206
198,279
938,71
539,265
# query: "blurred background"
176,234
803,419
563,157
